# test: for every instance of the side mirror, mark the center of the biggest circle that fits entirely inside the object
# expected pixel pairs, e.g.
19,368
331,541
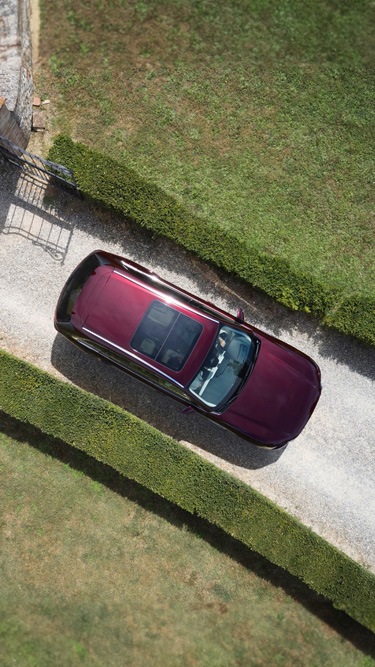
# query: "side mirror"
240,316
188,410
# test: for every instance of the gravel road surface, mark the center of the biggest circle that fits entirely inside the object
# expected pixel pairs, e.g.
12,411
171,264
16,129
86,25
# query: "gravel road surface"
326,477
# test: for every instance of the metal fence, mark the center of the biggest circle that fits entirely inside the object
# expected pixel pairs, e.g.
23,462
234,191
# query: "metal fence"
44,170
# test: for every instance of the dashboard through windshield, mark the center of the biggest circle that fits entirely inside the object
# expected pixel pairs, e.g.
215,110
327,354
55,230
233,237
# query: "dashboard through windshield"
225,368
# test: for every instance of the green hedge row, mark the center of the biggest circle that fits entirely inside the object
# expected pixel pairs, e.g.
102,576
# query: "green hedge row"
142,453
115,186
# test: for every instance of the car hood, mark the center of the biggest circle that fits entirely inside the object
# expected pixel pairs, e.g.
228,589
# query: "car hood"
279,397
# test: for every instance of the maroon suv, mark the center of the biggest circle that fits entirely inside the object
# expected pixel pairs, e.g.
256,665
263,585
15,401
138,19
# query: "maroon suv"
247,381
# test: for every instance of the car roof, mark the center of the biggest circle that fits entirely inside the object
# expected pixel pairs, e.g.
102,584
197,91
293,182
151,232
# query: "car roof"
112,304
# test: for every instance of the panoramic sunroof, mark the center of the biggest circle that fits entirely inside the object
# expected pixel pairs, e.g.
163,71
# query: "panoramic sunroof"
166,335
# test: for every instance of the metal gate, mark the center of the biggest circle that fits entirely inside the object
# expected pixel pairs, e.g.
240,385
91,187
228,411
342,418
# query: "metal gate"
42,169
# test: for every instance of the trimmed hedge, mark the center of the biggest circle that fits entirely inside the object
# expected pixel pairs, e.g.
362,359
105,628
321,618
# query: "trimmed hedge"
142,453
114,186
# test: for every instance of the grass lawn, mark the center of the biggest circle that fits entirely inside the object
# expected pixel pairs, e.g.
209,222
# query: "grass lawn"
97,570
257,114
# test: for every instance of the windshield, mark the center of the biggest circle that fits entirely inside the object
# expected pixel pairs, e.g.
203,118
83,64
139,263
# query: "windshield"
225,368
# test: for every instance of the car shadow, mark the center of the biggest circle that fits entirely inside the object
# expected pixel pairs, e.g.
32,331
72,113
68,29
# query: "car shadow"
159,410
185,270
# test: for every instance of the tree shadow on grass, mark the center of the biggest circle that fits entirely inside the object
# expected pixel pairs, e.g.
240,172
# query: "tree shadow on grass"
322,608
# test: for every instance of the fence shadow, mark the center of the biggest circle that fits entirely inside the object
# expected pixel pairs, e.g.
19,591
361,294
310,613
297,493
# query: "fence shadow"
26,211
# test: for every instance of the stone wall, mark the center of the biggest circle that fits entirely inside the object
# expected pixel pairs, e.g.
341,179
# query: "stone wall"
9,128
16,82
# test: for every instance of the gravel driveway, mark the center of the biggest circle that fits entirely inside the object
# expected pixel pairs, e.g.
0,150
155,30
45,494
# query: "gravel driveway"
326,477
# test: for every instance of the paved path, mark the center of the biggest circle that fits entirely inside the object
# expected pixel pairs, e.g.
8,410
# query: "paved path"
326,477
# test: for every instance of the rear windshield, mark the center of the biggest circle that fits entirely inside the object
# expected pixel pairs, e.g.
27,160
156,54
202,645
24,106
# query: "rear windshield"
73,287
166,335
